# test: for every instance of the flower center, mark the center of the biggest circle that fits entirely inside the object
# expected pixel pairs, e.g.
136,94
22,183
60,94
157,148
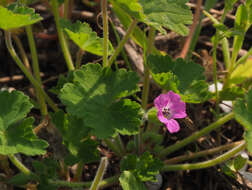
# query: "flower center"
166,112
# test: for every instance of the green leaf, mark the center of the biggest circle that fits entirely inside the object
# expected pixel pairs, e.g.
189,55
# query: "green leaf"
145,167
242,72
94,97
85,37
173,15
239,162
16,135
128,181
76,137
21,179
243,113
152,116
232,93
138,35
17,16
184,78
60,83
46,169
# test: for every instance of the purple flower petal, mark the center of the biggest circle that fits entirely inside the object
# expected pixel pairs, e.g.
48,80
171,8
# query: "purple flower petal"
161,101
178,110
161,117
172,126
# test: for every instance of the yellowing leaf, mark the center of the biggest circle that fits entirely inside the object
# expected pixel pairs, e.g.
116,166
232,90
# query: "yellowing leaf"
242,72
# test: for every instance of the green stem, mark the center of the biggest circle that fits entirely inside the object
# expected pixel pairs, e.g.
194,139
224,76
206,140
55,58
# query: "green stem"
19,165
224,157
34,82
191,156
22,52
36,70
145,94
105,32
100,172
196,135
79,56
103,184
61,36
120,144
123,50
244,58
111,145
225,50
122,43
77,176
66,8
215,44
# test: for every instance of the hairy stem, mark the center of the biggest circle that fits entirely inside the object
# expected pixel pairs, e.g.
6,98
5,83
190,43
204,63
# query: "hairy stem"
103,184
19,165
62,40
104,5
196,135
36,70
206,164
22,52
211,151
77,176
99,175
122,43
79,56
27,73
112,146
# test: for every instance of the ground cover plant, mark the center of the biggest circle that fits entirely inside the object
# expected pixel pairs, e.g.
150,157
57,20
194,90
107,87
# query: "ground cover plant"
134,129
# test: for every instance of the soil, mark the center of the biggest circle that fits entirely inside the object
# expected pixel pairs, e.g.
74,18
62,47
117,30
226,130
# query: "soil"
52,64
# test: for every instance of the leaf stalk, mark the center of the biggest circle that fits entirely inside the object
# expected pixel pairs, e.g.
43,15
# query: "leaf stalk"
36,70
62,40
122,42
206,164
26,71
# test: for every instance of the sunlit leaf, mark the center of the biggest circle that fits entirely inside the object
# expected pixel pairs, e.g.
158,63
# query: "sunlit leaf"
17,16
128,181
171,14
93,97
85,37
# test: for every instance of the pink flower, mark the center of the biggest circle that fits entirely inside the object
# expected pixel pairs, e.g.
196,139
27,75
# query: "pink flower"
170,107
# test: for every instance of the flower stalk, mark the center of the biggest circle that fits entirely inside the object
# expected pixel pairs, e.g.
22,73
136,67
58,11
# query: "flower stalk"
206,164
211,151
